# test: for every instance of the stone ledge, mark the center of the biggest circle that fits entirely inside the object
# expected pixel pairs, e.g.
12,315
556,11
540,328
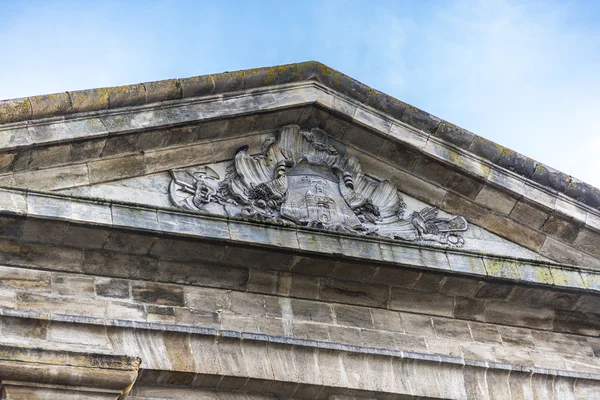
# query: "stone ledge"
131,363
231,355
37,366
197,225
71,102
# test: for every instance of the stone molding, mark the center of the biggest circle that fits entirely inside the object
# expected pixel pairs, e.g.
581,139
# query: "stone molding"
52,374
65,104
202,226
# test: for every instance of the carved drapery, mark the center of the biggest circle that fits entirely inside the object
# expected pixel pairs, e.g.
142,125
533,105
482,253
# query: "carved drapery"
304,177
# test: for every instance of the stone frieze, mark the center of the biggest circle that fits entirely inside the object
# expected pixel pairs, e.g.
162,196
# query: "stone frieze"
304,177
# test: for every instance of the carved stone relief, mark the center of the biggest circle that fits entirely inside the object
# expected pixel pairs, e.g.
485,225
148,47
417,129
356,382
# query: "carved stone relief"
304,177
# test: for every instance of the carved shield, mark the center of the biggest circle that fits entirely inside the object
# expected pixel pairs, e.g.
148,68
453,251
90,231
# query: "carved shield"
314,197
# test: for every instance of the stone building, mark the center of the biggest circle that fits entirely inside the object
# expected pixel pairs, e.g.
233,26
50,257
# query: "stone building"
285,232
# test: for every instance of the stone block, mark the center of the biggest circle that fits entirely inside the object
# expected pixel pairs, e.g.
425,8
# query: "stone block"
125,96
443,347
517,337
6,161
118,145
378,339
313,265
588,241
470,309
24,329
345,335
529,215
204,299
107,263
426,303
499,268
494,291
116,288
466,263
120,123
354,293
332,368
319,242
47,304
577,322
247,303
518,315
454,134
270,326
132,243
310,331
306,287
238,323
42,158
155,293
197,86
387,320
459,286
89,335
304,310
513,231
544,297
53,178
263,235
116,168
14,110
475,382
56,131
402,277
50,105
420,325
399,155
358,272
452,329
459,205
560,252
165,159
263,281
168,89
588,303
429,282
561,343
568,278
73,285
535,273
188,251
86,149
125,311
496,200
485,333
131,217
11,227
25,279
562,229
89,100
85,237
359,317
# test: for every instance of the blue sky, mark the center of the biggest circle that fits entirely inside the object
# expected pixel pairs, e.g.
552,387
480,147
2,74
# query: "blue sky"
524,74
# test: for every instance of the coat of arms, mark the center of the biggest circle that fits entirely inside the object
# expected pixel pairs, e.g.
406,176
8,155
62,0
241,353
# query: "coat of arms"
305,178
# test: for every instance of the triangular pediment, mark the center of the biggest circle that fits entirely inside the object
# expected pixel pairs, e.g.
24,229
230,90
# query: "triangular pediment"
304,177
115,149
